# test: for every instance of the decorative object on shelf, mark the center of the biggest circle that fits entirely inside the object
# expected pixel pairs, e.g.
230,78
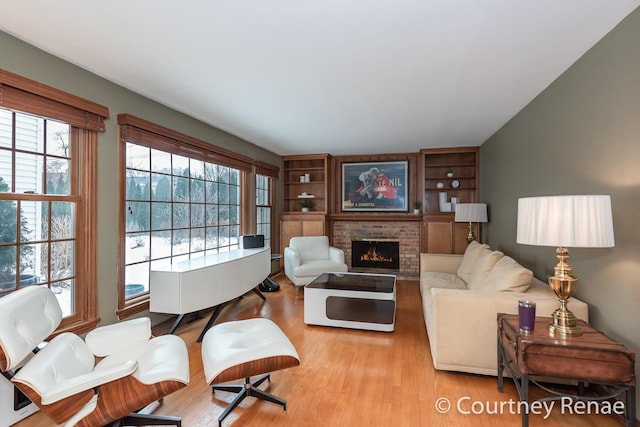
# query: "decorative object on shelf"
440,185
455,183
306,204
307,177
375,186
416,207
442,200
563,222
471,212
449,173
454,202
304,195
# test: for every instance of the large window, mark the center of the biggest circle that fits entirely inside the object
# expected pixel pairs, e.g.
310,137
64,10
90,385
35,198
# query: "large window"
47,194
263,207
176,208
182,198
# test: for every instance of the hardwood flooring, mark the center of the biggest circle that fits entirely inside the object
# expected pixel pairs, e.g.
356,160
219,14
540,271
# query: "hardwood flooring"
352,378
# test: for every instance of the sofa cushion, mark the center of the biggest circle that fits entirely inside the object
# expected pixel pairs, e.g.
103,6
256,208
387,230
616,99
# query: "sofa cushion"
485,263
433,279
469,259
507,275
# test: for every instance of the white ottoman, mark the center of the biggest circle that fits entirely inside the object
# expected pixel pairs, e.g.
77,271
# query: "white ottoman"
244,348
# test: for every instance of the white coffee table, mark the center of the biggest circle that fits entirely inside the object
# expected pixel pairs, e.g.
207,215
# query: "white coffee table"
351,300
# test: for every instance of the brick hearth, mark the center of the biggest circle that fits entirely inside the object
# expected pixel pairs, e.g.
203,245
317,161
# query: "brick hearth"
407,232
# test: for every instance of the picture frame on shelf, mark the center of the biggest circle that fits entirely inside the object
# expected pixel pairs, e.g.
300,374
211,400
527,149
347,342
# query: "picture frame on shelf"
375,186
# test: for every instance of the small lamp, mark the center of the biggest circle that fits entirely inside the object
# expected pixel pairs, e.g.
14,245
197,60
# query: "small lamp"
471,212
562,222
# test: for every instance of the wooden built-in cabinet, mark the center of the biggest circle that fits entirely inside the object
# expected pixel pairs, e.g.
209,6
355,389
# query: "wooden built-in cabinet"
294,222
441,234
316,189
445,236
300,225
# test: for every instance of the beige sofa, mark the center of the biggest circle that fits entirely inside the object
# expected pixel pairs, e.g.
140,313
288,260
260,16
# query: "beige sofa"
461,297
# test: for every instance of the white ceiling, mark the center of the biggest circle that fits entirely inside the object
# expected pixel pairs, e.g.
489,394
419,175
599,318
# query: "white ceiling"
335,76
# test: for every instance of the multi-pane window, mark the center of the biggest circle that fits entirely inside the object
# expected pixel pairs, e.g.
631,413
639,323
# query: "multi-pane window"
177,208
263,207
38,202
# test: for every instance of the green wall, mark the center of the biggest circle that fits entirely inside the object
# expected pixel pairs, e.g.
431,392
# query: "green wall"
23,59
580,136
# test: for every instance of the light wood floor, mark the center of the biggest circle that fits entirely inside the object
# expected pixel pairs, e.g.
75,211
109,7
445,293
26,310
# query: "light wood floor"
351,378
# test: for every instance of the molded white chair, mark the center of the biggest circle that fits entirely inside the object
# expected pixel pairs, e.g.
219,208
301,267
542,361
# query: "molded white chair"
307,257
116,370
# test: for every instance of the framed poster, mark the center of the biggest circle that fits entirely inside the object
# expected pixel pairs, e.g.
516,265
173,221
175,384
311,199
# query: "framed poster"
374,186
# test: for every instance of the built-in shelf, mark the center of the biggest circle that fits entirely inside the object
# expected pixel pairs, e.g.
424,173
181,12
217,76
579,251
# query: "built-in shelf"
295,170
462,163
440,232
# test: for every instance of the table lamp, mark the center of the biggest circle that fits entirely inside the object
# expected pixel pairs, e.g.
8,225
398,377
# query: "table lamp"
563,222
471,212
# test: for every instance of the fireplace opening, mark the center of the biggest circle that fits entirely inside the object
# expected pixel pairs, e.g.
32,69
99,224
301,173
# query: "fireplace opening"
380,253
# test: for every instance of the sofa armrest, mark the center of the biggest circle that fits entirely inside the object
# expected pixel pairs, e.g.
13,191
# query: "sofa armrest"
336,254
291,260
443,263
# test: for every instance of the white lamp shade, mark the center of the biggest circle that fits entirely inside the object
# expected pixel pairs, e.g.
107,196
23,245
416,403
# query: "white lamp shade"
565,221
471,212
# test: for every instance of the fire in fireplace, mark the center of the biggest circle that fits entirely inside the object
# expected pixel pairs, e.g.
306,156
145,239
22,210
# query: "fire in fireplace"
382,253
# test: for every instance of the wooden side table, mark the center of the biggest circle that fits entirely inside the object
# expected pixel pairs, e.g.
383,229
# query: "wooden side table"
591,358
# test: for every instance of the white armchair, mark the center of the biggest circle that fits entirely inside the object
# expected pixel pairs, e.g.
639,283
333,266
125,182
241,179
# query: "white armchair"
116,370
308,257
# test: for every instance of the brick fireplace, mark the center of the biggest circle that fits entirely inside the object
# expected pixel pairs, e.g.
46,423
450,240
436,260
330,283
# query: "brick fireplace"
406,232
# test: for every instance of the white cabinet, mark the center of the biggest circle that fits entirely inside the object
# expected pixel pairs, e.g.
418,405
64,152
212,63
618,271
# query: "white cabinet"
200,283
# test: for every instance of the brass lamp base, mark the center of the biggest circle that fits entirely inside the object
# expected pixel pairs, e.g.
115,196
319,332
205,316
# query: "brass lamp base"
470,236
564,323
564,285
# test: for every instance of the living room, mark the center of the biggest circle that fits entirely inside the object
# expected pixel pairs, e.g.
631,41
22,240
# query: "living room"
578,136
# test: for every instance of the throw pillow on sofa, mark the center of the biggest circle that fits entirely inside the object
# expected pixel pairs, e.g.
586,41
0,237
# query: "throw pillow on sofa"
469,259
485,263
507,275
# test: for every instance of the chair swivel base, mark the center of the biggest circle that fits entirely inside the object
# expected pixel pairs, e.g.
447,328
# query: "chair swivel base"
147,420
244,390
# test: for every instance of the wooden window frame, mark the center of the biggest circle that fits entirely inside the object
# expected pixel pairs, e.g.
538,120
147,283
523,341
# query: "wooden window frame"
142,132
269,205
86,118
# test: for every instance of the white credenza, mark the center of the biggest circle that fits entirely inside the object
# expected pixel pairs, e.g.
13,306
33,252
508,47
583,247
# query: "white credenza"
210,281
